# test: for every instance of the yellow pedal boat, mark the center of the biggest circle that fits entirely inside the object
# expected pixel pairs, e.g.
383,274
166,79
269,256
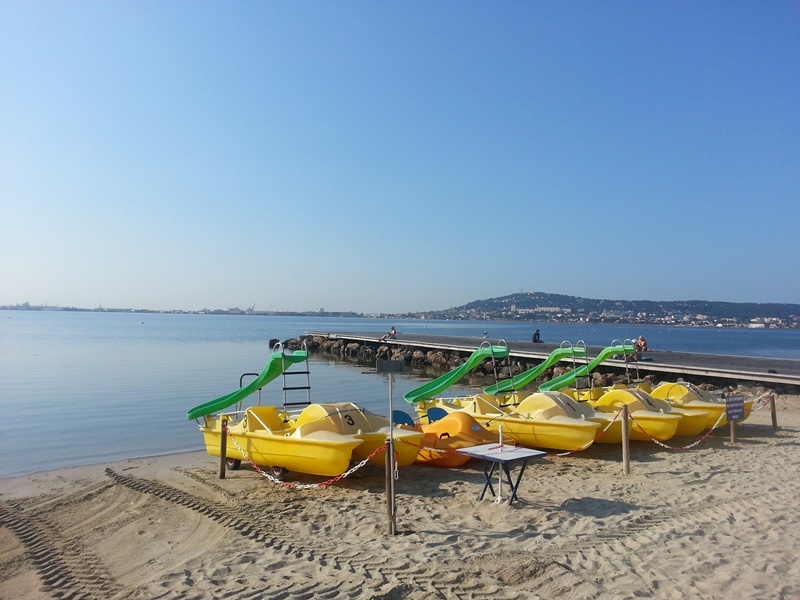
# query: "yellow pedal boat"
266,440
656,417
347,418
540,427
683,394
610,424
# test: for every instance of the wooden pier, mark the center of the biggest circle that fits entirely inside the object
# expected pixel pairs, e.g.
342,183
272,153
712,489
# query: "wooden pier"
765,371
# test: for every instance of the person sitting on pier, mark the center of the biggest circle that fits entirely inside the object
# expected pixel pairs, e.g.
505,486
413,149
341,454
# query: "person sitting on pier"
640,346
389,336
536,337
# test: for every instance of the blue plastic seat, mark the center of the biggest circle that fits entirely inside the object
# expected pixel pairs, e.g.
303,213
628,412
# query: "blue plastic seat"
435,413
400,417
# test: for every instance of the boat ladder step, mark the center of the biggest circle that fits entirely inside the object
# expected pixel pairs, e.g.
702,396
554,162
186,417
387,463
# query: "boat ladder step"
303,369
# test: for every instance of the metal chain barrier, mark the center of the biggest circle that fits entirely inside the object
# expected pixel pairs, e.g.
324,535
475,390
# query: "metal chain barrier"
419,447
454,451
763,400
305,486
587,444
692,445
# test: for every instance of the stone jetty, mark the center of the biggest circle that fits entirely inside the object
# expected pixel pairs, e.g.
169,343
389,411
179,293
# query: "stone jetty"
431,356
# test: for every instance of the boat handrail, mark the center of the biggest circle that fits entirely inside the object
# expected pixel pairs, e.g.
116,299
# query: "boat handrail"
624,343
241,379
580,344
501,343
231,413
576,365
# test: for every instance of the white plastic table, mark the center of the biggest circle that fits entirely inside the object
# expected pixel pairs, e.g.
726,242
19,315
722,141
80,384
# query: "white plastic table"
506,456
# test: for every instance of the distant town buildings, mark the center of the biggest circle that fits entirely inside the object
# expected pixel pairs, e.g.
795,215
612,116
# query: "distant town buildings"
543,307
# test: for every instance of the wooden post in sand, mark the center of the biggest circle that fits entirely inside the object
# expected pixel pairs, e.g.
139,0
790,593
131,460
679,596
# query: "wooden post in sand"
390,465
390,513
626,447
390,367
223,447
773,411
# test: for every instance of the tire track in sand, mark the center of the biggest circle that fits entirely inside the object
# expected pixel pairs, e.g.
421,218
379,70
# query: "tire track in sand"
382,576
66,569
628,549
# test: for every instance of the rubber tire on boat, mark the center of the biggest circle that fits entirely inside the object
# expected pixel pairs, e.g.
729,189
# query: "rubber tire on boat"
278,472
233,463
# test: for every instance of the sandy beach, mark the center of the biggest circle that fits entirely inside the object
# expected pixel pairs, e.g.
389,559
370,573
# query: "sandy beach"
720,520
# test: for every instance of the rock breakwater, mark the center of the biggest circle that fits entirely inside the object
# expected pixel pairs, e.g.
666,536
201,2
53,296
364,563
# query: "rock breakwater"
434,362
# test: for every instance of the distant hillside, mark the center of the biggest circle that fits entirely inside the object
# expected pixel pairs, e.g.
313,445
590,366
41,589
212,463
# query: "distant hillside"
540,306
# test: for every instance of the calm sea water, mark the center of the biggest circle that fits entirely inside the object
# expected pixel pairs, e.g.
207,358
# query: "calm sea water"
84,388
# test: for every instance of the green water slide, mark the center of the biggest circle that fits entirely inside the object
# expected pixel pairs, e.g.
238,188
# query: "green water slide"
523,379
276,365
440,384
569,378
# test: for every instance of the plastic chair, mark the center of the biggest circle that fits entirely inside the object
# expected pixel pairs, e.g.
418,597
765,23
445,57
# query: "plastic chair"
435,413
400,417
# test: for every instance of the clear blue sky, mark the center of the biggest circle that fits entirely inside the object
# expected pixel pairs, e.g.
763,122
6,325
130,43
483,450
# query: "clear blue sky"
397,156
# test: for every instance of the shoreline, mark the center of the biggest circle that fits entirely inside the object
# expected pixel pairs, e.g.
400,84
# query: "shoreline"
24,485
717,521
99,464
717,322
